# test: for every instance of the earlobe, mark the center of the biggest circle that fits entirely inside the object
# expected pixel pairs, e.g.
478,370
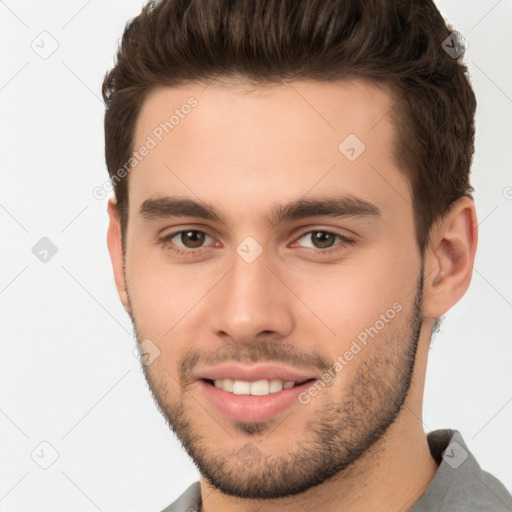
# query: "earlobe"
115,249
450,258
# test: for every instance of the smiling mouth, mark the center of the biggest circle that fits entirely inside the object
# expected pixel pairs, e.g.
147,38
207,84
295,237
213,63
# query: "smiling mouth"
260,387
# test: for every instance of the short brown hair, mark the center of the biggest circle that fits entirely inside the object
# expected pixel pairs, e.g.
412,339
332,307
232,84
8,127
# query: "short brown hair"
398,44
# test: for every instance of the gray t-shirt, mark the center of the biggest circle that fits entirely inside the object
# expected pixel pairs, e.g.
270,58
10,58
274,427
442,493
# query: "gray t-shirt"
459,484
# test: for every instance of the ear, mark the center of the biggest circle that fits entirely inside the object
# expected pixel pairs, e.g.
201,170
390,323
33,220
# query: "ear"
115,249
449,258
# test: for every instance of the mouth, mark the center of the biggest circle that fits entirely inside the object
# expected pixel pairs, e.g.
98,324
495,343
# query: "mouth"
262,387
252,393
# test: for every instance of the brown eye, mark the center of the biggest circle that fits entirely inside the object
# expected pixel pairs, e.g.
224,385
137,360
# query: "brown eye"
324,243
322,239
192,239
187,240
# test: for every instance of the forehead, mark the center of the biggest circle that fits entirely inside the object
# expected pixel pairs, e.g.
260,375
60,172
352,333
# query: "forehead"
309,110
266,142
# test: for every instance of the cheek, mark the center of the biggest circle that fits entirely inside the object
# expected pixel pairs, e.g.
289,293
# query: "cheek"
162,294
163,299
372,292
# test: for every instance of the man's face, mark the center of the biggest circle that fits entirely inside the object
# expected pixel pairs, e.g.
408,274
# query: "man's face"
304,297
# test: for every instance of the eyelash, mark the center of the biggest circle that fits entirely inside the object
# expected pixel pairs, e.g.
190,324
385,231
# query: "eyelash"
192,252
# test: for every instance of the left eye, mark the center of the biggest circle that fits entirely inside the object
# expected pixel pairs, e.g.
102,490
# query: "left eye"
190,239
322,239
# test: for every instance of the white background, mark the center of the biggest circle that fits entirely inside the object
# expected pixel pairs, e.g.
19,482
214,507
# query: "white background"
68,373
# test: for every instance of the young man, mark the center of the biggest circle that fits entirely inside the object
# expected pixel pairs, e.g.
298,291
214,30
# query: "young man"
292,217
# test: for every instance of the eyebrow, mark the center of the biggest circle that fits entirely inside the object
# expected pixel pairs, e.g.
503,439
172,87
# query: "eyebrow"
330,206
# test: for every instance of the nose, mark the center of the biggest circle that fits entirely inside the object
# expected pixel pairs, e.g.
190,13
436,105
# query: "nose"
251,302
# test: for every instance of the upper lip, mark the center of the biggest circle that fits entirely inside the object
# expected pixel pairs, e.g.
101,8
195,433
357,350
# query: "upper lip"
253,373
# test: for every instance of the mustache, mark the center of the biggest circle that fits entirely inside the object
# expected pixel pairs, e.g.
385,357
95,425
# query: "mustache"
259,352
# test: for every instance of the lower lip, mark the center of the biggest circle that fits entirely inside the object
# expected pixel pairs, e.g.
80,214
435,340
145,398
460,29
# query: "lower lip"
250,408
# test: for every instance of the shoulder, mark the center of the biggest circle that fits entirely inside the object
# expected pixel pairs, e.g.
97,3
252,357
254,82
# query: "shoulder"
189,501
460,484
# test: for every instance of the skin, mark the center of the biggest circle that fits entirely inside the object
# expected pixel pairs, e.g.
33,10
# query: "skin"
245,151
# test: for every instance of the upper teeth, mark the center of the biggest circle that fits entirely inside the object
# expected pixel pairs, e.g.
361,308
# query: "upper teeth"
258,387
